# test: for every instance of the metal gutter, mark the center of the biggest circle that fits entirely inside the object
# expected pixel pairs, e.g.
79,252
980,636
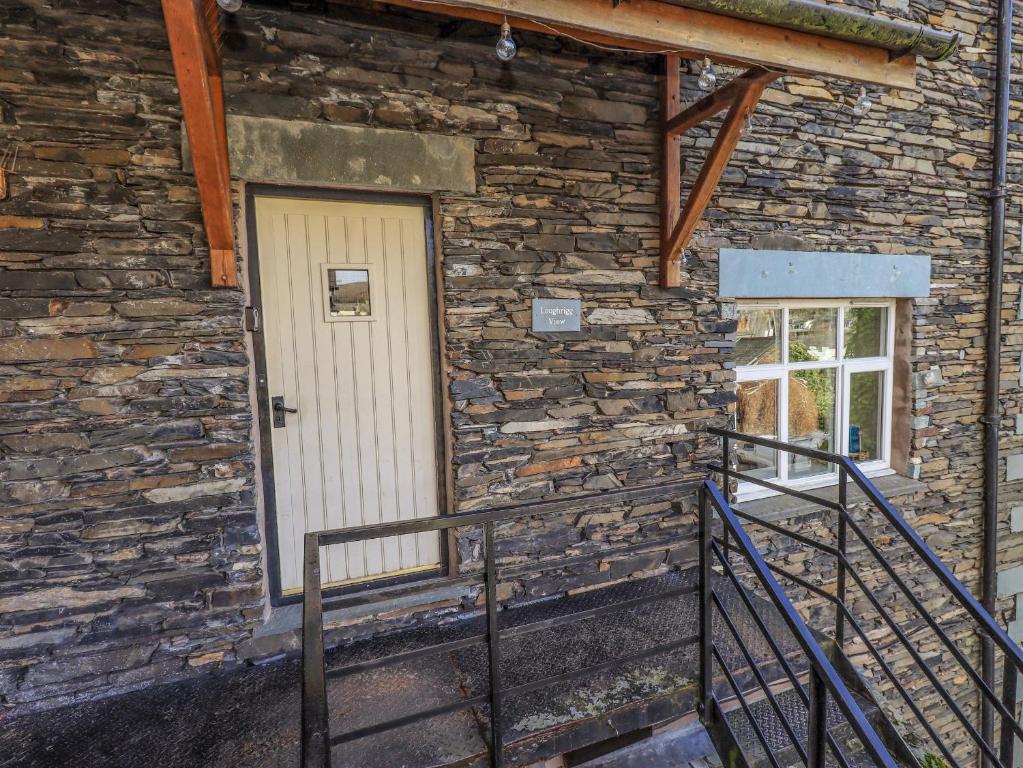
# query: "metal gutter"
899,37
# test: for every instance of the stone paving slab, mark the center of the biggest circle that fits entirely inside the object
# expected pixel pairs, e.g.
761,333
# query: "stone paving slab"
684,746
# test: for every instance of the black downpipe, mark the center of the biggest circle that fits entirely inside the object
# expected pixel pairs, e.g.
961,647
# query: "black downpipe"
992,403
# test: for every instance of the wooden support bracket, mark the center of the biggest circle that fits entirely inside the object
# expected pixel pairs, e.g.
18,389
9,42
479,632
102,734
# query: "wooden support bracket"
192,32
740,98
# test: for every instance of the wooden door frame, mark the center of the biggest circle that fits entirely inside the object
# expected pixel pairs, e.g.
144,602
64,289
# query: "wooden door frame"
430,203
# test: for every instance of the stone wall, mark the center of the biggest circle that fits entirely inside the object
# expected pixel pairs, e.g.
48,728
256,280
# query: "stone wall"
129,546
129,540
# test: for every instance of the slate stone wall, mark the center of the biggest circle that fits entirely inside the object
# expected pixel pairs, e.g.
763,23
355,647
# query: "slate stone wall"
129,545
129,540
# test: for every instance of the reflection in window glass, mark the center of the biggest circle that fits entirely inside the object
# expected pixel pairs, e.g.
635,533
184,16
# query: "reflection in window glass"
811,418
759,337
866,396
349,292
758,415
813,334
865,331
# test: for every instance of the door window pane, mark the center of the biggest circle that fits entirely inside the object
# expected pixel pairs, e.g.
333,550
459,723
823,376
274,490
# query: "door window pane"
811,418
758,416
866,331
759,337
866,419
813,334
349,292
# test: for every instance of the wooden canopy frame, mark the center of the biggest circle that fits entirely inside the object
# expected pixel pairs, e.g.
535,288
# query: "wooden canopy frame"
740,98
642,25
193,31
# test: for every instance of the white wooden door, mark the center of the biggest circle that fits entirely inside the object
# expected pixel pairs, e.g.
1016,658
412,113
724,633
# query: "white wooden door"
354,360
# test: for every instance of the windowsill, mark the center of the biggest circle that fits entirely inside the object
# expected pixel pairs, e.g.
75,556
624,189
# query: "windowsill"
781,506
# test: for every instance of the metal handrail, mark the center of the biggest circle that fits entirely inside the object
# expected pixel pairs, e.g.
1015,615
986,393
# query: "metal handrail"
849,569
673,488
825,679
316,737
987,624
948,579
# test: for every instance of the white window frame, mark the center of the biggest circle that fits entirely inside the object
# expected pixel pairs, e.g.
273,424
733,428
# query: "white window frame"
779,372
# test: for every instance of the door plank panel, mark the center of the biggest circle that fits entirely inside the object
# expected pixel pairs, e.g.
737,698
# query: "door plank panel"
379,253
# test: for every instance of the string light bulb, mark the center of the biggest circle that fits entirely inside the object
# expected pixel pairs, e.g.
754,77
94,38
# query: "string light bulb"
708,77
747,125
230,6
506,48
863,104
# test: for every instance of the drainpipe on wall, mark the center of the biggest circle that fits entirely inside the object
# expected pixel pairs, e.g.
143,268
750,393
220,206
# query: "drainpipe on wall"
992,403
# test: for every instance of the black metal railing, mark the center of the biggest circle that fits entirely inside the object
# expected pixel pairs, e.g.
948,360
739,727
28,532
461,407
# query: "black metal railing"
849,577
317,740
822,683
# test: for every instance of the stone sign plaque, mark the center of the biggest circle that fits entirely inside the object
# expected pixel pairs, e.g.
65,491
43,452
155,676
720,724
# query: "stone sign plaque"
556,315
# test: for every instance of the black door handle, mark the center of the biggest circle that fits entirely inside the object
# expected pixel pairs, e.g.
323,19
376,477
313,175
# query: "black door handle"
279,409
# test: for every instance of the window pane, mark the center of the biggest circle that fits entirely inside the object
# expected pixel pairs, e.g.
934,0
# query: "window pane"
812,334
349,292
811,418
866,419
759,337
866,331
758,416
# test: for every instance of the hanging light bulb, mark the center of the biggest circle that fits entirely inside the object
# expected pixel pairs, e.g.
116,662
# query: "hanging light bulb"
687,260
708,77
747,125
506,47
863,104
230,6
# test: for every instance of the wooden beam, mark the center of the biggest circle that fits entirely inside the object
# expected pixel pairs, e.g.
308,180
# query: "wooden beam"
197,68
744,100
671,168
652,26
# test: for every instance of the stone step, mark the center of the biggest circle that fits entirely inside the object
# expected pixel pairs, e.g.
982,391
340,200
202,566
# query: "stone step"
687,745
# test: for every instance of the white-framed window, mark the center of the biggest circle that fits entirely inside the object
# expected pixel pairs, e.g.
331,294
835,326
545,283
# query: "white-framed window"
816,373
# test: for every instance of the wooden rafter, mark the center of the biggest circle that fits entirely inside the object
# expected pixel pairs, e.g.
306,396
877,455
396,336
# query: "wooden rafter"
740,98
192,32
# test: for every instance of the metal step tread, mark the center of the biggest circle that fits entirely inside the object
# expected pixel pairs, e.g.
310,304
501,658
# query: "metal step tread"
795,712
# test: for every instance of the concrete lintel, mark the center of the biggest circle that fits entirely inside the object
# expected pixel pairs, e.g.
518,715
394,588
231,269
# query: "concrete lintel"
749,274
277,150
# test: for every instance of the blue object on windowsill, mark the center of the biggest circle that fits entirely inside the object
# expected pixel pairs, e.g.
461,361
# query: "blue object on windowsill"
854,438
